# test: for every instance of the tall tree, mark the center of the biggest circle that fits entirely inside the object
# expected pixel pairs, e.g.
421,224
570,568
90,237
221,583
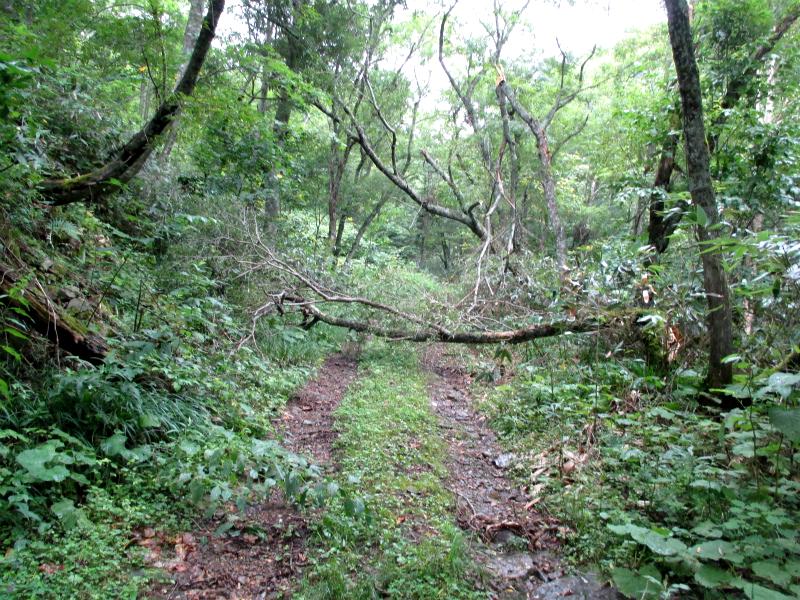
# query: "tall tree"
720,328
740,87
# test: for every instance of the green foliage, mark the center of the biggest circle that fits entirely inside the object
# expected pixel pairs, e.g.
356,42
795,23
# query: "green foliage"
700,503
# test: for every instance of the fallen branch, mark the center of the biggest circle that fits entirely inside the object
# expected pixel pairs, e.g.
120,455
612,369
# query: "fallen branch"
511,336
50,320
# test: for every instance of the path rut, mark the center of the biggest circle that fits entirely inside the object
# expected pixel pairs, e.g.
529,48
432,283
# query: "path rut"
518,545
268,562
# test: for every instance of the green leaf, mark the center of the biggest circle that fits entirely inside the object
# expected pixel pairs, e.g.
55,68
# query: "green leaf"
115,445
717,550
702,217
787,421
12,331
665,546
36,460
148,420
9,350
67,513
772,571
758,592
4,389
712,577
638,584
703,484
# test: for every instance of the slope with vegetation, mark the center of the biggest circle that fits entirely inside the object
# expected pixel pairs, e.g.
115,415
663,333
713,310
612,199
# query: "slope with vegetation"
200,202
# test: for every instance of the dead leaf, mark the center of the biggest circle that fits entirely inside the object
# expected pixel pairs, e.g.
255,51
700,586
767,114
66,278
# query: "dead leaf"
50,568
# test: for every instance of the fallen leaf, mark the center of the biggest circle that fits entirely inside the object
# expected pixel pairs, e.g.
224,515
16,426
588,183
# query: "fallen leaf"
50,568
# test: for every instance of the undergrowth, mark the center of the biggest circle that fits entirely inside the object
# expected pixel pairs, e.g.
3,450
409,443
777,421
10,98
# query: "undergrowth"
174,423
664,496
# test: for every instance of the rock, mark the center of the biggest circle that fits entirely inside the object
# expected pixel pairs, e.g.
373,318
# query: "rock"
583,586
517,565
505,460
80,305
67,293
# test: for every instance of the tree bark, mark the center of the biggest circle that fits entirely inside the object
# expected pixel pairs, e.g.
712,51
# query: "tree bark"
337,163
373,214
511,336
661,228
132,156
698,167
193,24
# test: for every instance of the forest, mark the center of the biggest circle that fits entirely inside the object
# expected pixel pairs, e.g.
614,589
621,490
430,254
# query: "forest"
359,299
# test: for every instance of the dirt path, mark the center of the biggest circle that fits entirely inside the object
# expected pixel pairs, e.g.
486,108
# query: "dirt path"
267,559
519,549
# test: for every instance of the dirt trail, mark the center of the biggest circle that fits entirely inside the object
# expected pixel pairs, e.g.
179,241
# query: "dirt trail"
266,561
519,544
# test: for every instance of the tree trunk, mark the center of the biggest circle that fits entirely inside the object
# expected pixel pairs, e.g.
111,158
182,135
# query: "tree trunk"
365,225
697,161
50,320
193,24
283,112
546,177
660,226
337,163
130,159
438,334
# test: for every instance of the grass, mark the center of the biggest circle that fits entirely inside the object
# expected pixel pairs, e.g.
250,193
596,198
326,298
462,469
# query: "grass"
391,450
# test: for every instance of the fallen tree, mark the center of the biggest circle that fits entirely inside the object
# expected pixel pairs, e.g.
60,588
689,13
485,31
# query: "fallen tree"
312,315
48,319
417,328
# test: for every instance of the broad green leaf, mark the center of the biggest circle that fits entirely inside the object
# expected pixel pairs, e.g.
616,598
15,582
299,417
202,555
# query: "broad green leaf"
712,577
703,484
665,546
147,420
66,512
638,584
36,460
772,571
702,217
717,550
115,445
758,592
787,421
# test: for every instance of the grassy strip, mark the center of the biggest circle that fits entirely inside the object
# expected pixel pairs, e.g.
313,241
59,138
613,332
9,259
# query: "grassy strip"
391,451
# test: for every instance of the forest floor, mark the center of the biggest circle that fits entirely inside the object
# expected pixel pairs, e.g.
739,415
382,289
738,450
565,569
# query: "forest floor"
512,548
